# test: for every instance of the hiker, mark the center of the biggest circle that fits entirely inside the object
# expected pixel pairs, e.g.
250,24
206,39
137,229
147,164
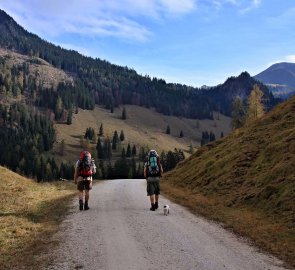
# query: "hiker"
152,172
84,168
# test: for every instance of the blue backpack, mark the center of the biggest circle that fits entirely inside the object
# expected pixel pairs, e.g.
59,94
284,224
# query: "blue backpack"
153,164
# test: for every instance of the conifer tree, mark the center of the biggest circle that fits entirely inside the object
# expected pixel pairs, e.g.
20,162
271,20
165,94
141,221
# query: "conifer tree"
115,140
70,116
100,130
122,136
99,150
134,150
128,152
238,113
124,114
255,104
168,130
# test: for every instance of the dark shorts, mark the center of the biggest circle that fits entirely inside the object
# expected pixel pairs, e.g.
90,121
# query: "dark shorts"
153,186
84,185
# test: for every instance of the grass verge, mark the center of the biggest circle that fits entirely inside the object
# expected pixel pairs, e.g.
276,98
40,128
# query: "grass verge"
265,232
30,214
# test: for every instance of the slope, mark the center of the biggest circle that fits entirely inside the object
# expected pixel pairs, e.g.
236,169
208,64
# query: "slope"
143,127
44,73
280,73
247,181
30,213
111,85
280,78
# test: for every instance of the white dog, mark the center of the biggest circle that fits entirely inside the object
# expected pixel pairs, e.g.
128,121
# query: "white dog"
166,210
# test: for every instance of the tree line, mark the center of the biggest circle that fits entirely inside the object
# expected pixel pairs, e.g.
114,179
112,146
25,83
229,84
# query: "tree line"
26,136
117,159
99,82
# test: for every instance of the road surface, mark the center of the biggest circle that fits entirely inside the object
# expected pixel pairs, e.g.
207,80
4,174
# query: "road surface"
120,233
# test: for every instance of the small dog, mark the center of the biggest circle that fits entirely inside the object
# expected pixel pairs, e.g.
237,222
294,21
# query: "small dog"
166,210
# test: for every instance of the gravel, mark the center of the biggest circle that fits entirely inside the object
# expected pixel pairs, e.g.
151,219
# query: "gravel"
119,232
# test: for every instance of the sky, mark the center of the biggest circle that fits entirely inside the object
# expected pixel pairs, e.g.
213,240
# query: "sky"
192,42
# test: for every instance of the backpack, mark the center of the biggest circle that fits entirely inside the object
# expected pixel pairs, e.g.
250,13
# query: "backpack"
85,164
153,164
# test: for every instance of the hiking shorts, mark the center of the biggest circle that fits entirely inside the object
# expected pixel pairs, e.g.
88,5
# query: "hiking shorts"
153,186
84,184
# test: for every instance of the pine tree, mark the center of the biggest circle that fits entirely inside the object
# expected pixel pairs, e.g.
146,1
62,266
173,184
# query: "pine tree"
107,148
115,140
122,136
168,130
99,149
124,115
181,134
134,150
128,152
255,104
238,113
100,130
70,116
211,136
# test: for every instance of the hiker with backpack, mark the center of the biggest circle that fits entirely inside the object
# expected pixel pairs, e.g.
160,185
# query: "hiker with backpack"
84,168
153,170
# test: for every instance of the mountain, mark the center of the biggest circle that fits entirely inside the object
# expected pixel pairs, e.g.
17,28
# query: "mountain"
102,83
280,78
42,85
247,180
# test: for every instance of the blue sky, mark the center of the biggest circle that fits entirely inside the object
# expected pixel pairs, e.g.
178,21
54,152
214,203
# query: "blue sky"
193,42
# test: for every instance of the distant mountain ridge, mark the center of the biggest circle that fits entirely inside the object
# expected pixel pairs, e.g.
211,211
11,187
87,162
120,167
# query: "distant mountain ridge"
280,78
100,82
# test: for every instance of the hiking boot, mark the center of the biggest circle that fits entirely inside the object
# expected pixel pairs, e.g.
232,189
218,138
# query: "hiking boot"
81,205
86,207
156,205
152,207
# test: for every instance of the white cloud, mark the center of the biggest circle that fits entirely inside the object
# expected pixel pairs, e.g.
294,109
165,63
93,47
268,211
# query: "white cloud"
290,58
243,6
113,18
177,7
253,5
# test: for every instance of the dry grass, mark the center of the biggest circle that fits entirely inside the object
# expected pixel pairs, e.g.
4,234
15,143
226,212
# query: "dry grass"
45,73
143,127
246,181
30,213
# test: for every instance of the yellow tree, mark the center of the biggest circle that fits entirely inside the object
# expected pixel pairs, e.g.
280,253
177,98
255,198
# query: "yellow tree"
255,104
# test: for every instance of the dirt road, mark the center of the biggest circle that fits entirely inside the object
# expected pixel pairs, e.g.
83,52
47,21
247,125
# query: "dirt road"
119,232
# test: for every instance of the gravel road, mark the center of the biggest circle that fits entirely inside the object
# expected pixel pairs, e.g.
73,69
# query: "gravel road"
119,232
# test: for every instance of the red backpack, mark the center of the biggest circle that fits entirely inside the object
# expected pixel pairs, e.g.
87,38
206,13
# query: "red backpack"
85,164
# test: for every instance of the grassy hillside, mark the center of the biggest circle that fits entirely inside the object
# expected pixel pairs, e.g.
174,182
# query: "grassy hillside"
143,127
247,181
29,214
45,74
